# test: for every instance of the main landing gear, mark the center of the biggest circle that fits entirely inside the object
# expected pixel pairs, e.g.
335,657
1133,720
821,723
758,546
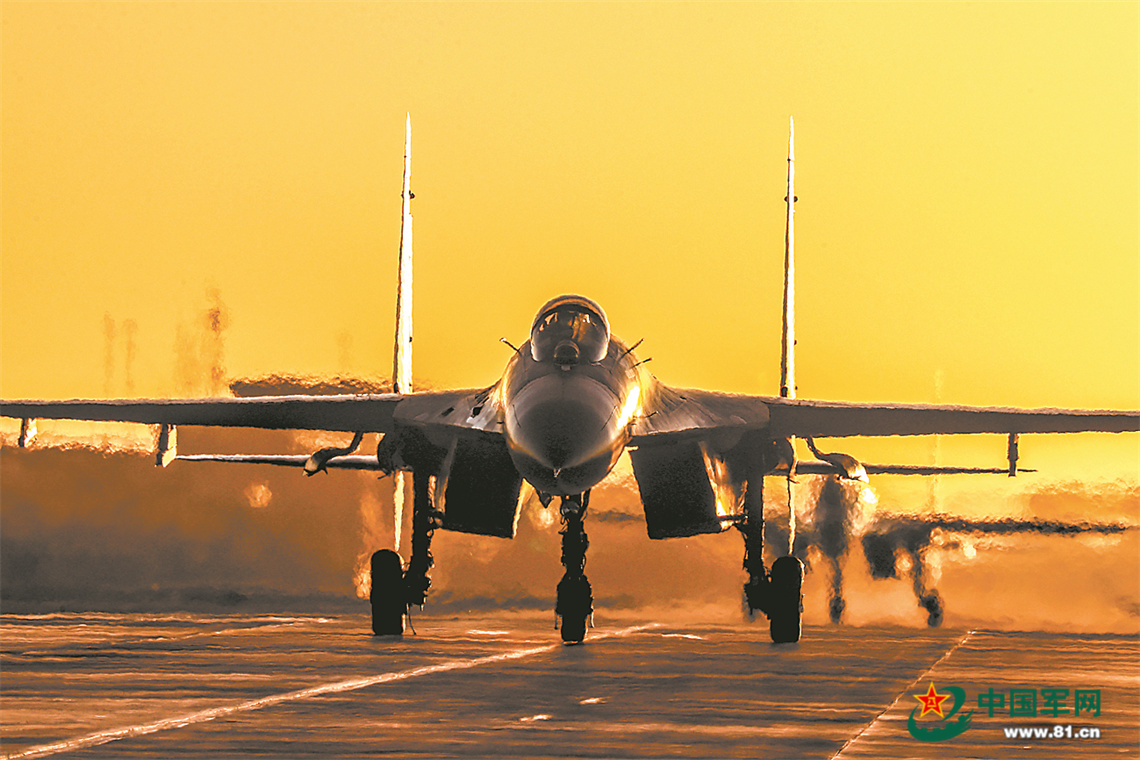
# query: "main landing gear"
394,588
778,594
575,598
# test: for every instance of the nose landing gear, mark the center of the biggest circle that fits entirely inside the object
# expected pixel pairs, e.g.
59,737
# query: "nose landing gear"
575,598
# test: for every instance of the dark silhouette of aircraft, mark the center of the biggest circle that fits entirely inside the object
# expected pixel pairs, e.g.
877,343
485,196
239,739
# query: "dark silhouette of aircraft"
841,514
571,400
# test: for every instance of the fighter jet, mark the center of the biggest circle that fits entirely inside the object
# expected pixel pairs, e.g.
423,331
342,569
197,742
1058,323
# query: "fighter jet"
570,401
837,514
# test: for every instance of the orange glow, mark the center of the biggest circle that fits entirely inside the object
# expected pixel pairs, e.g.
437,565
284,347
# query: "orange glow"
374,534
199,190
631,408
362,575
967,181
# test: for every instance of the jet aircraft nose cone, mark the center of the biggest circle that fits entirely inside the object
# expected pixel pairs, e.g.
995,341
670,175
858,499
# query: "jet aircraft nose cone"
562,431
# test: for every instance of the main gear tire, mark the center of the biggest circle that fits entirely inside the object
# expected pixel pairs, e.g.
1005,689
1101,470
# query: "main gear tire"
786,600
387,597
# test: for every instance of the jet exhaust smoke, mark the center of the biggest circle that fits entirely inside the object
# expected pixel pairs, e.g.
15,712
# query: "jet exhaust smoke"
302,385
130,331
108,353
199,349
91,529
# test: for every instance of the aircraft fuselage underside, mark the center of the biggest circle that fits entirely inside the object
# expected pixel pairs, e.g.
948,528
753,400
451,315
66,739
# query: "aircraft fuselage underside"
564,424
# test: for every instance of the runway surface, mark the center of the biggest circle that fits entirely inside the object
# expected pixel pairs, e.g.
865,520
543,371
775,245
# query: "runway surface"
108,685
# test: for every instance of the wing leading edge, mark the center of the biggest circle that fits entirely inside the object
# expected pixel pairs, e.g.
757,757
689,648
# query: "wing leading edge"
369,414
831,419
686,413
374,413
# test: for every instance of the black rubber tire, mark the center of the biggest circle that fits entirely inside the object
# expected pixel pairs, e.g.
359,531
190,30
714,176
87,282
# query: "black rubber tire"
387,597
787,600
575,603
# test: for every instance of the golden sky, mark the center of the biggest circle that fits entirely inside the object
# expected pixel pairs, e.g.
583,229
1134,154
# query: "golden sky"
968,227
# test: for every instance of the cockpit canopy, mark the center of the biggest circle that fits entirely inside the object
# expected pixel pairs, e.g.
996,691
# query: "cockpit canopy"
570,330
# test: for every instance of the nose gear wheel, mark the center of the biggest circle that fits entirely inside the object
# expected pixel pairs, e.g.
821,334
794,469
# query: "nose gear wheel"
575,597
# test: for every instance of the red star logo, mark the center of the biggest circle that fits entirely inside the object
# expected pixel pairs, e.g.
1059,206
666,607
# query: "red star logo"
932,701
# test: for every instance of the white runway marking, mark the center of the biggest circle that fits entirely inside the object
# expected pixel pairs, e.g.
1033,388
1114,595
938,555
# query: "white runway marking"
222,632
202,716
905,692
113,642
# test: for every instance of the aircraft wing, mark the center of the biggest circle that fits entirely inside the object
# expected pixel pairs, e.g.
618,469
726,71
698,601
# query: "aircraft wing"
832,419
815,467
372,413
887,523
287,460
684,413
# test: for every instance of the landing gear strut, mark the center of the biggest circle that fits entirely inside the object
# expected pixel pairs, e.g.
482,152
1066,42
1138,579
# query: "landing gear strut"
777,595
416,580
575,598
394,588
929,600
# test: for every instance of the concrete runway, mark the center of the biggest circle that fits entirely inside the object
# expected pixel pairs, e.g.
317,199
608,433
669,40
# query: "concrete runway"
107,685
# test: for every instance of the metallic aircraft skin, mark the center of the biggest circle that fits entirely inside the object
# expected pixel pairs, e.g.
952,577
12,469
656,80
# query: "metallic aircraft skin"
567,419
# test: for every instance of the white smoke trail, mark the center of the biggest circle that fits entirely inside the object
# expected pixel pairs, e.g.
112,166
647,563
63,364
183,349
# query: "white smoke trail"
372,537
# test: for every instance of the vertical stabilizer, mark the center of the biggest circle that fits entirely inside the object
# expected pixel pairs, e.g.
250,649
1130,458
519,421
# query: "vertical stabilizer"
402,362
788,341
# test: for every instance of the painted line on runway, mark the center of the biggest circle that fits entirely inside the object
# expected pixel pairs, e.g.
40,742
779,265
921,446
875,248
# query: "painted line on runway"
337,687
221,632
905,692
112,643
